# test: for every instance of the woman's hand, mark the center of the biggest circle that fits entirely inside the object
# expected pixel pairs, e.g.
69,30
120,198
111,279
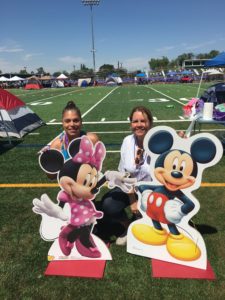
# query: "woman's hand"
133,207
133,203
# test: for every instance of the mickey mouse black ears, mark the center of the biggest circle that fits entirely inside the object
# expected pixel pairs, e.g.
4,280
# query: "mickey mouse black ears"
160,142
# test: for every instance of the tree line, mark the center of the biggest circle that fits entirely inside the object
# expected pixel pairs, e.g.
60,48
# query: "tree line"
155,64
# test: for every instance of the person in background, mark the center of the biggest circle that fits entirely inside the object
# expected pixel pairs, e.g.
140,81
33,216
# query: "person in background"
72,125
134,161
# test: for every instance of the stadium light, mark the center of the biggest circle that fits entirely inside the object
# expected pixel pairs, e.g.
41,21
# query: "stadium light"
92,3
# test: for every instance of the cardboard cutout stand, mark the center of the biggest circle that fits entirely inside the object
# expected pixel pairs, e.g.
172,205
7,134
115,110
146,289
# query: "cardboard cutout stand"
162,269
77,268
76,251
167,203
69,223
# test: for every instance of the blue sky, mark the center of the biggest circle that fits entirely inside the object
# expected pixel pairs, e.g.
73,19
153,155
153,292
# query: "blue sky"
56,34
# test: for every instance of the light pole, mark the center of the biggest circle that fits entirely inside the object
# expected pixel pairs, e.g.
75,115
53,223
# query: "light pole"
92,3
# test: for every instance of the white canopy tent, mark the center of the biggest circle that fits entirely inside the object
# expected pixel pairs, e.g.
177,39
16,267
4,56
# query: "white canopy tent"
62,76
3,78
16,78
209,72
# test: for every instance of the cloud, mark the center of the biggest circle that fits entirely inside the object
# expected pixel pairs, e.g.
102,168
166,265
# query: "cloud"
201,45
165,49
5,49
29,56
72,60
135,63
8,66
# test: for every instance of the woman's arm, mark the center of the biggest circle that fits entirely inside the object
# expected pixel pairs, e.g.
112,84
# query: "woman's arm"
56,144
93,137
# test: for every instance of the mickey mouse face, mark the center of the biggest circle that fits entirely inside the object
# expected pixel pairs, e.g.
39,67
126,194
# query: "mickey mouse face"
175,174
178,163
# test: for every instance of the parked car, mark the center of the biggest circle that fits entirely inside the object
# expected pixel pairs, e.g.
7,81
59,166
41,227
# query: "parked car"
186,79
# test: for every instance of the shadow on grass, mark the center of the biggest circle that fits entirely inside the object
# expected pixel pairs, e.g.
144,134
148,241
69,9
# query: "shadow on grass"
6,145
204,229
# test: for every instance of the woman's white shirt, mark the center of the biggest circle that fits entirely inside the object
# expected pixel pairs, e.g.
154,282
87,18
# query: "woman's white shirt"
127,160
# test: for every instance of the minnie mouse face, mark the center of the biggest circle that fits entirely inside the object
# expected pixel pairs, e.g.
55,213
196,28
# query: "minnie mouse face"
176,172
78,176
82,184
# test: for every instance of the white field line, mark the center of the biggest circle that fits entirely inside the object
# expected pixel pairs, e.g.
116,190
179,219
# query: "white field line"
165,95
129,132
55,96
120,122
99,102
34,133
30,93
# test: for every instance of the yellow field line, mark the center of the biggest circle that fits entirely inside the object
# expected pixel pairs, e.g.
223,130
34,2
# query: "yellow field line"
215,184
52,185
28,185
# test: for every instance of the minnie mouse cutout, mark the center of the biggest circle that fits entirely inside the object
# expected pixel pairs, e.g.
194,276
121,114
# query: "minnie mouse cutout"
79,180
167,203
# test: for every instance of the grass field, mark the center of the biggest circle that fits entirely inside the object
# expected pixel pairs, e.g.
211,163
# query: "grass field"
105,110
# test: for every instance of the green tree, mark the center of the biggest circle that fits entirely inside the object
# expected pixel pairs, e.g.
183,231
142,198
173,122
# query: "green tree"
23,72
213,53
173,64
183,57
159,63
105,70
41,71
209,55
121,72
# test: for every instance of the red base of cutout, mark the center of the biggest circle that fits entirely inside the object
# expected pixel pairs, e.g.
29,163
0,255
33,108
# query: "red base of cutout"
77,268
169,270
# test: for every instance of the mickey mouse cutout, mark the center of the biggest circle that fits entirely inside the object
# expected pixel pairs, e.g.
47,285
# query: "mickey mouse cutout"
78,178
167,203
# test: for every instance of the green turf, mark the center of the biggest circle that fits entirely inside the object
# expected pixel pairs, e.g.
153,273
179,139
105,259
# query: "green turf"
23,252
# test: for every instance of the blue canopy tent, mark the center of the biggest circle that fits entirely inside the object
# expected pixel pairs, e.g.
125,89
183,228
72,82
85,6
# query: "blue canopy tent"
141,78
171,73
217,61
143,75
186,72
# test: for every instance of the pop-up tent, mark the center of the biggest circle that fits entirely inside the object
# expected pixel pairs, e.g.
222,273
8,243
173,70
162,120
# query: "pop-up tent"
16,119
62,76
57,84
16,78
187,72
215,94
84,82
217,61
3,78
33,84
111,80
